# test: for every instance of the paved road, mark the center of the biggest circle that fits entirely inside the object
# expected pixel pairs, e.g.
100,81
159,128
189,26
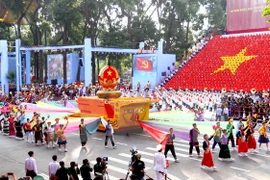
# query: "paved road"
14,152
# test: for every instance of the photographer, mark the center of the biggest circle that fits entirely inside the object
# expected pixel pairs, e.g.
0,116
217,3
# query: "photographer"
137,169
99,168
86,170
74,170
7,175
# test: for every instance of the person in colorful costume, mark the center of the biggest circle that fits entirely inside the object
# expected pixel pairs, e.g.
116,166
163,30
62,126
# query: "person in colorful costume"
242,144
229,130
83,133
207,160
224,153
263,138
250,136
61,136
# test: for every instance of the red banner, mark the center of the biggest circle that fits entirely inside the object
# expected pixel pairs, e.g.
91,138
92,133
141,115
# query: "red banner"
144,64
246,16
158,135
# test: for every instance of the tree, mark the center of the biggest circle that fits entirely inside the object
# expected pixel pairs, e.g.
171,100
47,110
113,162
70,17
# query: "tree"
92,12
11,76
65,16
216,13
266,11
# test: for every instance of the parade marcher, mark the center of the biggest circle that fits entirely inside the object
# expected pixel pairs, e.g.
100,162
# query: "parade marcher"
11,120
28,131
159,164
109,134
250,136
242,144
239,124
53,167
22,117
83,133
18,127
30,165
61,136
224,153
2,118
169,145
193,140
38,132
217,136
229,129
6,126
49,134
263,138
207,160
56,127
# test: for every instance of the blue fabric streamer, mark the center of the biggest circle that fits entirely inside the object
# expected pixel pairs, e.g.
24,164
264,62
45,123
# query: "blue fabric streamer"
92,127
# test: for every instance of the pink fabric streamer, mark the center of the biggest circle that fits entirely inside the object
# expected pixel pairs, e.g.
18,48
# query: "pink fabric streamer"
45,108
69,105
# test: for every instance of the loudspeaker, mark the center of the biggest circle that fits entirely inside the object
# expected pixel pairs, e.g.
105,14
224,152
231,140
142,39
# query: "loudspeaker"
163,74
54,82
81,62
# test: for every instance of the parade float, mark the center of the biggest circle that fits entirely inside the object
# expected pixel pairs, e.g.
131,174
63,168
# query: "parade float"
123,112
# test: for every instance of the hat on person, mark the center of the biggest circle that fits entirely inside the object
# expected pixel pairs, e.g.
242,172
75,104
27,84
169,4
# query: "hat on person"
159,147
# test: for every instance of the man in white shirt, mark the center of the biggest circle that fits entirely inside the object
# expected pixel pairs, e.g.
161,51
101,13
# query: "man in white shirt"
53,166
226,113
30,165
159,163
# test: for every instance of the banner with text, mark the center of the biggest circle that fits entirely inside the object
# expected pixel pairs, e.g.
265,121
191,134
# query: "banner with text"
246,16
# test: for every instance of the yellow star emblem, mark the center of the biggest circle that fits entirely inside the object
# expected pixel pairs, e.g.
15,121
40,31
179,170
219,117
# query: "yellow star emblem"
110,73
233,62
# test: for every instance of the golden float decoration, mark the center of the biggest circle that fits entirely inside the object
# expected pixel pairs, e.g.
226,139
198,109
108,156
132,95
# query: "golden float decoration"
108,79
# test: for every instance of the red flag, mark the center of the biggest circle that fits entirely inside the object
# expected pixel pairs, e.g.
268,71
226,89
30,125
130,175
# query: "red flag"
158,135
144,64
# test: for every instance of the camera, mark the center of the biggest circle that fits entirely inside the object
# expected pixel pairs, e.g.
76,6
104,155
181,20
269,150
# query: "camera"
134,153
104,161
10,173
105,158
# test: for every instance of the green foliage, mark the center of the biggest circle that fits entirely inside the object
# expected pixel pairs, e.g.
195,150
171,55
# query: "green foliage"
11,76
113,23
216,13
266,11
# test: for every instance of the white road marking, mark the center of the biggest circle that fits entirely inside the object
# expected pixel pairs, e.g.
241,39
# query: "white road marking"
144,135
117,169
96,138
122,162
123,144
75,134
143,159
178,154
195,159
239,169
181,149
261,155
152,155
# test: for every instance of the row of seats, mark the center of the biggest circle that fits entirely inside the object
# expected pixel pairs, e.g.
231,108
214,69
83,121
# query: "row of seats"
206,69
